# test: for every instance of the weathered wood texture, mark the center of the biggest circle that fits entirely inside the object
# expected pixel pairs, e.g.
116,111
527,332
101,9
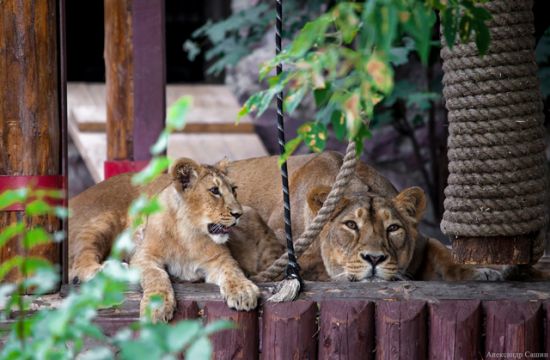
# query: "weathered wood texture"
239,343
29,106
401,330
289,331
119,69
455,329
346,329
493,250
513,327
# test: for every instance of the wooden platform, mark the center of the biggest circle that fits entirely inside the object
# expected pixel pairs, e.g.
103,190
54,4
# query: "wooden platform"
392,320
209,136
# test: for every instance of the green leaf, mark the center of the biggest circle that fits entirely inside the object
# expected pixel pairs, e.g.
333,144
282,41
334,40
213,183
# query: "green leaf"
200,350
219,325
192,49
11,231
9,265
314,135
177,113
309,35
11,197
182,333
483,38
36,236
161,144
322,95
38,207
449,26
290,147
155,167
294,99
338,121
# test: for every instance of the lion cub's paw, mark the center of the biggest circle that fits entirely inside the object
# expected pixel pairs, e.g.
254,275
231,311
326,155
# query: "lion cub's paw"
486,274
242,295
164,312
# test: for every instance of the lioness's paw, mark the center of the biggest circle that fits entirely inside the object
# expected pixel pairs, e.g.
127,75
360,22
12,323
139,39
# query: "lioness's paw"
162,313
486,274
242,295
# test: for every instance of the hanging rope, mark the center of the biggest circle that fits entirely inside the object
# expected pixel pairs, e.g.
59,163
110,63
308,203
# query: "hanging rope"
346,172
496,143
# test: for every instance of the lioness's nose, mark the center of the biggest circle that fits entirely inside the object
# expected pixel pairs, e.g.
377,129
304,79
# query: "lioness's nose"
236,214
373,259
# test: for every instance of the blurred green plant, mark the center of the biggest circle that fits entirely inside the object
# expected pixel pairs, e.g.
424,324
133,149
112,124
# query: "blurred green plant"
61,333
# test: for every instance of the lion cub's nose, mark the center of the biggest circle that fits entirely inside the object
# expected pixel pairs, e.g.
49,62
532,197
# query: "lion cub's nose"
236,215
373,259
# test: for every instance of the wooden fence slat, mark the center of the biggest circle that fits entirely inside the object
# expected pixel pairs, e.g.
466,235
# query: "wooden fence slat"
513,327
455,329
186,309
240,343
401,330
289,330
346,329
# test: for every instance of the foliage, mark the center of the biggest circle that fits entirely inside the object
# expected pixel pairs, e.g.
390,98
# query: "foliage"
60,333
345,58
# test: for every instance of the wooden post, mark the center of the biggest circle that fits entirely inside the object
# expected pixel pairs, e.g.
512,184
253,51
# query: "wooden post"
30,112
455,329
513,327
346,329
239,343
401,330
289,330
136,81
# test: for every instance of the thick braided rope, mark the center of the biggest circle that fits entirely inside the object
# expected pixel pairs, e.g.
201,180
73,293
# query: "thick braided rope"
497,163
347,170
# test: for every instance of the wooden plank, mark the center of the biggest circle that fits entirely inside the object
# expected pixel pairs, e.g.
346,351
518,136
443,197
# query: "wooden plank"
289,330
149,76
119,70
240,343
513,327
401,329
455,329
503,250
30,116
346,329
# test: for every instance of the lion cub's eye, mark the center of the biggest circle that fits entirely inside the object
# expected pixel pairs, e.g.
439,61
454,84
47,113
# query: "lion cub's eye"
215,190
392,228
351,224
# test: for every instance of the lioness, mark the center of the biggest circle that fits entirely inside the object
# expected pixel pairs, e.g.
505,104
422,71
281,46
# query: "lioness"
186,239
372,234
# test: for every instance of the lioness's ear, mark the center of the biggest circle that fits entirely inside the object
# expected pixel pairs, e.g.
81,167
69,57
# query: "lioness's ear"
222,165
317,197
184,172
412,201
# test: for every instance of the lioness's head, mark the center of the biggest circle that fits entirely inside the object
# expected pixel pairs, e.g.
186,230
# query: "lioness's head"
369,238
210,197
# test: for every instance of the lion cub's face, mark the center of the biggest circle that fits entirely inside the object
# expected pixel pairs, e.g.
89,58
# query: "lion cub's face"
210,197
369,238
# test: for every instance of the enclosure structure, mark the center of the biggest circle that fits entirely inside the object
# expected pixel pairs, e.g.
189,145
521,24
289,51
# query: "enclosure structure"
403,319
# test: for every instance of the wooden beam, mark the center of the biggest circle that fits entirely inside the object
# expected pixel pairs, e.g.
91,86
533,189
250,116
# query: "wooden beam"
135,77
493,250
29,108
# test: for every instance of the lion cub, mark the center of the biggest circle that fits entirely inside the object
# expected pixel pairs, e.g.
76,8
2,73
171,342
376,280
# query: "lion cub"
186,239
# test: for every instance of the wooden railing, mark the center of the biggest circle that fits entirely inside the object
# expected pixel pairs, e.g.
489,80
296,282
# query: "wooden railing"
399,320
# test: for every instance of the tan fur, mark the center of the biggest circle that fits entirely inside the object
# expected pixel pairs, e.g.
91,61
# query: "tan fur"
337,253
176,241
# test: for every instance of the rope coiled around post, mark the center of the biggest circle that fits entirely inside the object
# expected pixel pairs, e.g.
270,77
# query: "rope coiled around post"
347,170
497,163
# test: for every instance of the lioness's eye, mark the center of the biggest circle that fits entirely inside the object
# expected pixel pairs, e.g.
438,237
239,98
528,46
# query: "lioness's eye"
351,224
392,228
214,190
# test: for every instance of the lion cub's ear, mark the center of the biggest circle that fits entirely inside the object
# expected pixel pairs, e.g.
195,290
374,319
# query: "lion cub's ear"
412,201
184,172
222,165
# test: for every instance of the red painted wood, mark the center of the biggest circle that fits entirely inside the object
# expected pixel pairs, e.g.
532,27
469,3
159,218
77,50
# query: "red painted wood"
46,182
289,330
346,329
186,309
401,330
513,327
240,343
117,167
455,329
